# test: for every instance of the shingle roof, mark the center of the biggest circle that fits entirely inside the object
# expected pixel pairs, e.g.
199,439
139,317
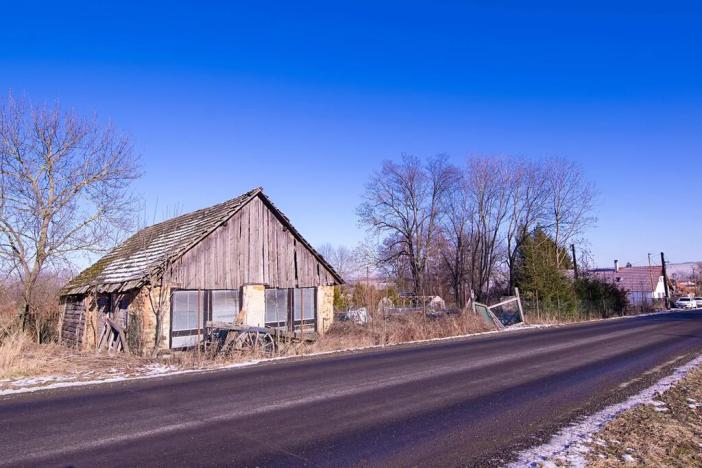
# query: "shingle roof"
632,279
128,265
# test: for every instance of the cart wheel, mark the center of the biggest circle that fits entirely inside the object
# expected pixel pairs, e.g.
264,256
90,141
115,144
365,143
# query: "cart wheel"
257,342
229,344
267,343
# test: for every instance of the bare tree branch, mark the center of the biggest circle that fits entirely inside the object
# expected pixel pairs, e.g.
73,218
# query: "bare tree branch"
63,189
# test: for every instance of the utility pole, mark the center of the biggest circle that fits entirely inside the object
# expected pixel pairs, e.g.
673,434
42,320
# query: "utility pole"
665,282
575,261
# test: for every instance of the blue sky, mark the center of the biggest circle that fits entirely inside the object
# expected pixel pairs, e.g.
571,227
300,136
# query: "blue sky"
306,100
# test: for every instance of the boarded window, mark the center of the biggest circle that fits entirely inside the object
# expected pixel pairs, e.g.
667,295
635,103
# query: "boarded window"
104,304
73,321
225,305
121,309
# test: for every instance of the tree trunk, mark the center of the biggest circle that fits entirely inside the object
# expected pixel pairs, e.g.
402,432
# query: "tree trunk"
157,338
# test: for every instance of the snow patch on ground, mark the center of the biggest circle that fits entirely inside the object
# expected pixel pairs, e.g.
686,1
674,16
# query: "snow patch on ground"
628,458
149,371
569,445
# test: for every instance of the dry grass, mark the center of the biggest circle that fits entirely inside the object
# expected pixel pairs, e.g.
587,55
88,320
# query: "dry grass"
553,319
22,357
397,329
13,355
667,433
347,335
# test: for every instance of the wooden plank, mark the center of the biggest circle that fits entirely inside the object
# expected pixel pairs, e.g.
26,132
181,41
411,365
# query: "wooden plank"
265,242
259,242
245,243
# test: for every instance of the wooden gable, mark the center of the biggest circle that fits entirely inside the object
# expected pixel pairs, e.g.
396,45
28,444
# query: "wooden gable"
257,245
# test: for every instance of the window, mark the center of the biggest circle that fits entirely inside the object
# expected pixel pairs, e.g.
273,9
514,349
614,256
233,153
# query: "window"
186,311
285,307
224,305
191,309
304,301
276,307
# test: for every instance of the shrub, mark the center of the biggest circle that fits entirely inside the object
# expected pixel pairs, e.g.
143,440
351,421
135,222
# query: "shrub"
600,297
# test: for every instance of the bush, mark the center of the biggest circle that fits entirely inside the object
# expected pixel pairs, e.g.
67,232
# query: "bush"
341,301
600,298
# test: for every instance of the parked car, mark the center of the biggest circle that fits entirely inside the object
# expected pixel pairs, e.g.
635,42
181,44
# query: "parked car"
686,303
698,301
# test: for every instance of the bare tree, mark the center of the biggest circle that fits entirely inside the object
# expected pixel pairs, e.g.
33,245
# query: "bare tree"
341,258
159,295
528,196
569,203
401,202
488,182
457,229
697,277
63,190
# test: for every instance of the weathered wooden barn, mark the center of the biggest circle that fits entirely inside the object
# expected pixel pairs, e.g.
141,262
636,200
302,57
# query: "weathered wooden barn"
241,259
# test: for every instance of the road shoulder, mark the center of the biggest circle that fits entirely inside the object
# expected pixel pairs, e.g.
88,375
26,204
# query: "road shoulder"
658,426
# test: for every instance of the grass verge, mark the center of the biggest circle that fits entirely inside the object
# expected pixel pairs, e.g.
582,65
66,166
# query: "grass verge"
666,432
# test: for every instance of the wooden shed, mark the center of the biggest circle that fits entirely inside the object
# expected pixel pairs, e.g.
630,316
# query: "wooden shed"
241,259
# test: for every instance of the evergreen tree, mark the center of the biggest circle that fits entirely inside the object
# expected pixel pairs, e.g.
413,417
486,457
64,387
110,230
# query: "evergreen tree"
538,275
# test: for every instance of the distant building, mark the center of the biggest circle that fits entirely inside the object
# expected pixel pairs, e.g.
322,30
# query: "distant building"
686,288
642,284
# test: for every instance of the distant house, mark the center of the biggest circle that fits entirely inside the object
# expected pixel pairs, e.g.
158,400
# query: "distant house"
642,284
239,260
686,288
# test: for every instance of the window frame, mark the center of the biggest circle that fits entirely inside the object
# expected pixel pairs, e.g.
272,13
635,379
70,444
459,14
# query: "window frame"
290,323
204,310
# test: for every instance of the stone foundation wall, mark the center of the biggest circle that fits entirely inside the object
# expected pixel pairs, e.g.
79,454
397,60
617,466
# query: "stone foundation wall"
325,308
143,310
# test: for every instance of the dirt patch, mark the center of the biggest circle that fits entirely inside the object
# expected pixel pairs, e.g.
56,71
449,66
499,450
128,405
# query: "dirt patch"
666,432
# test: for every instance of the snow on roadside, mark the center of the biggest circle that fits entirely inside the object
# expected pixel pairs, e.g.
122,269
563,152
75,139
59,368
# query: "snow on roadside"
569,445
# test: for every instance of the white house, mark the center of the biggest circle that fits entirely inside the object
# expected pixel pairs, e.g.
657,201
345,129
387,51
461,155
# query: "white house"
642,284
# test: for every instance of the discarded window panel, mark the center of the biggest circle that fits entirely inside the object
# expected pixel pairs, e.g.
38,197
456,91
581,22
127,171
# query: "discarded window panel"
507,313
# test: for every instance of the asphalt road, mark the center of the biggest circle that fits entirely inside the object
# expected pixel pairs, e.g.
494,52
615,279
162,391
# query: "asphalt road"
473,401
